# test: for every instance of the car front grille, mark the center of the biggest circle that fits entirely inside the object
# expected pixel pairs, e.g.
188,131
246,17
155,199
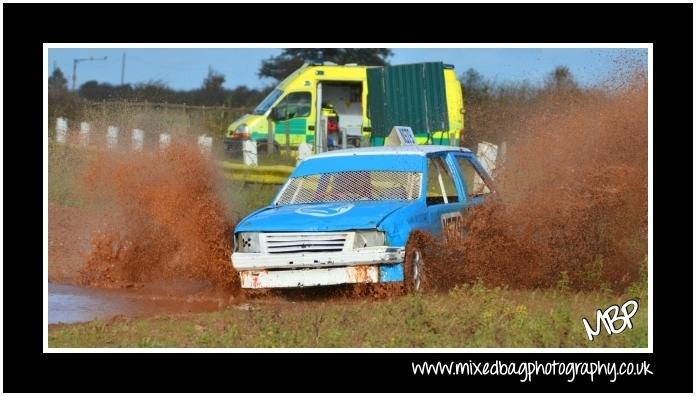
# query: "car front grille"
305,242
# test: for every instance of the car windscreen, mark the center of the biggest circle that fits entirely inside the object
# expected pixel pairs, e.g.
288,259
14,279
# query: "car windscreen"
267,102
351,186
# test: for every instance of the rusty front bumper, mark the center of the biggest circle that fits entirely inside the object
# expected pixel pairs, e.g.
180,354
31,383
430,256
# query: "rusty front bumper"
263,279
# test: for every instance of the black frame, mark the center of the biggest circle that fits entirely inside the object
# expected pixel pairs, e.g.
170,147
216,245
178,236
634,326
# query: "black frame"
389,372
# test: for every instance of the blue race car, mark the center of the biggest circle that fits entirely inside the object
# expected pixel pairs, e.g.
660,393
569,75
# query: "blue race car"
345,216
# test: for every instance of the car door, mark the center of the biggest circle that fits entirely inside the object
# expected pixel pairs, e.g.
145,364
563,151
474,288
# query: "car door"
475,183
444,200
290,120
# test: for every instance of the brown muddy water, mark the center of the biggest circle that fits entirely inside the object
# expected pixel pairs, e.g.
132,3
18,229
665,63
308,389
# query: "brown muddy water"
152,239
71,303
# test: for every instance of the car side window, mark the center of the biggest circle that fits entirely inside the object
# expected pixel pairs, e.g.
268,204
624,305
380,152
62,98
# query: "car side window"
440,188
475,185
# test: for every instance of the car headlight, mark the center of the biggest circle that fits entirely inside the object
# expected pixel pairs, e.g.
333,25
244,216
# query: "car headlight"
368,238
242,129
248,242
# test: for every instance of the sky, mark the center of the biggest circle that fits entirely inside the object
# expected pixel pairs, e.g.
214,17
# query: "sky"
185,68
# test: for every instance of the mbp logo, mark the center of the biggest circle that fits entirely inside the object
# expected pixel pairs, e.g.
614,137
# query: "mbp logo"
610,316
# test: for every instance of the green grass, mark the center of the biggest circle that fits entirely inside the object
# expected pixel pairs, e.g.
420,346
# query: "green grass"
64,166
465,317
241,199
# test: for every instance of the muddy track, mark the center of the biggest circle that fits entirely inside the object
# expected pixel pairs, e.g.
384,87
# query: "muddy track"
71,240
571,209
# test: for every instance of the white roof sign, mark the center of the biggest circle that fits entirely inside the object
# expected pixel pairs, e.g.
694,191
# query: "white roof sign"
401,136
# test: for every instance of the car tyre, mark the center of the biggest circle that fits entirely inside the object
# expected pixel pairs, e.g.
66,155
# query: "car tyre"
414,269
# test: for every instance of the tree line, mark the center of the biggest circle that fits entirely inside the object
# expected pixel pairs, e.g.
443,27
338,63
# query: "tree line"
212,91
490,106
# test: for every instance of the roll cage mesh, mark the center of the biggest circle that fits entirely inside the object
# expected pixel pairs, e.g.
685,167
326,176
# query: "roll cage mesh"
352,186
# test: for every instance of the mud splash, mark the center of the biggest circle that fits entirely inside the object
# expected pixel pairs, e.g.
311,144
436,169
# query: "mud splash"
167,223
572,204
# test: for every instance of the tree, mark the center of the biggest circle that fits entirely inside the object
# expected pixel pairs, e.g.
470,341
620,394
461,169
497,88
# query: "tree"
153,91
213,82
92,90
476,88
281,66
61,102
244,96
212,92
561,80
57,81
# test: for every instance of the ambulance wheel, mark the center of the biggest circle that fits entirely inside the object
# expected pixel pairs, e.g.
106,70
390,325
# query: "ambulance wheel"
262,147
414,266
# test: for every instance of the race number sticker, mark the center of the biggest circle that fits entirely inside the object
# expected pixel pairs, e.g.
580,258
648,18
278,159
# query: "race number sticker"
407,137
452,224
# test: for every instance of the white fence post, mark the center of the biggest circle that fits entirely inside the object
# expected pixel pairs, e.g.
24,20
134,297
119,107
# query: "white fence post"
111,137
138,139
249,152
61,129
205,144
270,146
304,150
84,134
165,140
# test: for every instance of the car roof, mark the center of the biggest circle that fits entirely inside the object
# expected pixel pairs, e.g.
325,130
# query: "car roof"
421,150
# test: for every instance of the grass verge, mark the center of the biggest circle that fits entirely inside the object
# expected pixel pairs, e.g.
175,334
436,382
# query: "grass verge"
471,316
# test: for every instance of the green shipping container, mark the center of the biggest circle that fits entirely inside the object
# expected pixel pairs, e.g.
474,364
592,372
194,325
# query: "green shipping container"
408,95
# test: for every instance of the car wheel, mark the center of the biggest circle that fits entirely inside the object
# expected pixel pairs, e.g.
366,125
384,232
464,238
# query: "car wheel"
414,266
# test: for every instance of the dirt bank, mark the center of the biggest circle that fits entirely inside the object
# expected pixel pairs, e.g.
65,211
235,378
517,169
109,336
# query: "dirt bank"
571,208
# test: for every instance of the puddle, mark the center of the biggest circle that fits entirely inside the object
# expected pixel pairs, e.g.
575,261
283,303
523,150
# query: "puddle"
70,304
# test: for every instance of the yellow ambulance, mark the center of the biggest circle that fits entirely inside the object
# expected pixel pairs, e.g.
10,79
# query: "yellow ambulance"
339,93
